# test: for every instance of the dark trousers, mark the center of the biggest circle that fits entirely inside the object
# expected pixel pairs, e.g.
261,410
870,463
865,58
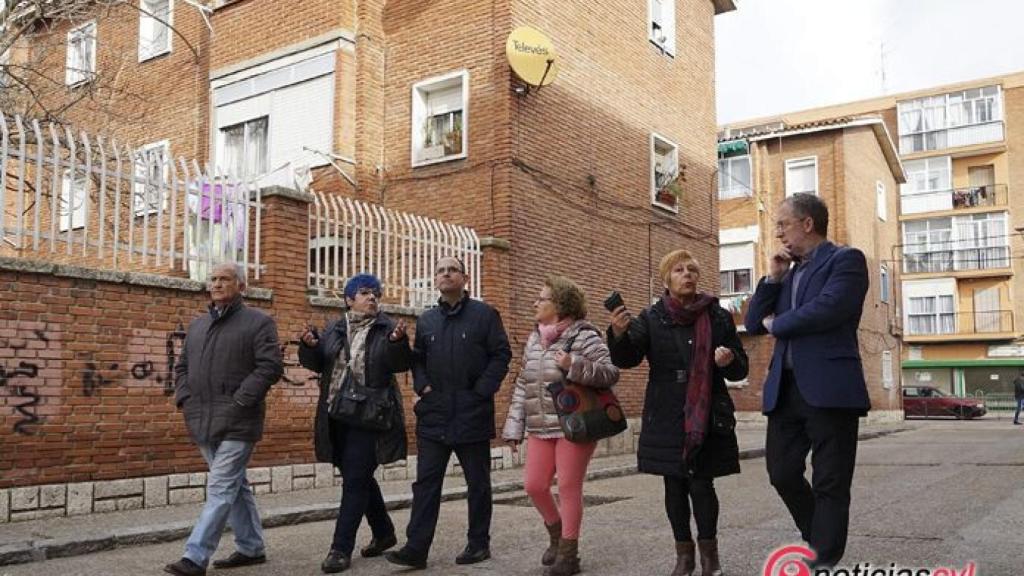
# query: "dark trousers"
431,461
1020,406
356,450
679,491
820,509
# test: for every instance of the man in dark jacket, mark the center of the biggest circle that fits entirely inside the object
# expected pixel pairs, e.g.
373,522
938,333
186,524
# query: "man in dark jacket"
814,392
461,356
230,359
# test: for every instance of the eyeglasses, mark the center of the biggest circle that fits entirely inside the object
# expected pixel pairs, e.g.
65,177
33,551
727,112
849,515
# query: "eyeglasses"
449,270
543,299
783,224
368,292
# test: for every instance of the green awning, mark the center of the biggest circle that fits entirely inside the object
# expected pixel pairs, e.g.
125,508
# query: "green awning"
732,148
986,363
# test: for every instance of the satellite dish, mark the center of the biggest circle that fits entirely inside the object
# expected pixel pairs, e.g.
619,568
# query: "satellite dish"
532,56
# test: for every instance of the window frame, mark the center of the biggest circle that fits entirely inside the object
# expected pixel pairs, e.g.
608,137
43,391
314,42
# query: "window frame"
910,189
919,122
881,201
654,139
884,291
74,76
139,209
936,314
223,155
921,105
294,143
421,113
732,282
725,171
67,198
144,16
790,164
666,23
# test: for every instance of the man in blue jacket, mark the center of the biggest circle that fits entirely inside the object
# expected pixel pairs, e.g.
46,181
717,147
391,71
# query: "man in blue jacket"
814,393
461,356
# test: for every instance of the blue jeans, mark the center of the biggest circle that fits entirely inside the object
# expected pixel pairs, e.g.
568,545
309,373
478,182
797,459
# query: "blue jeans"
229,499
1020,406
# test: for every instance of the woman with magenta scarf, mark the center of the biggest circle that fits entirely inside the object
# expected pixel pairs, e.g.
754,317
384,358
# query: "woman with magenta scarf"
687,433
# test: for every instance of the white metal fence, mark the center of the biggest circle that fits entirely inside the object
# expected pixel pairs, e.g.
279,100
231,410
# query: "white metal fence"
67,196
348,237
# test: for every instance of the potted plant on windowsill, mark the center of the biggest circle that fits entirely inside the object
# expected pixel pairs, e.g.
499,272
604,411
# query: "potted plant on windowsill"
453,138
668,188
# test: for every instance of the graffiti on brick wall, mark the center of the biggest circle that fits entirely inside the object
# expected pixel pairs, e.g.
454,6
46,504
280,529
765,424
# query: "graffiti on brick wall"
173,343
18,377
96,376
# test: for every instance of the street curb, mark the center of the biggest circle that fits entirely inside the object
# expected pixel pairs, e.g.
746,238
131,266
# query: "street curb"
48,549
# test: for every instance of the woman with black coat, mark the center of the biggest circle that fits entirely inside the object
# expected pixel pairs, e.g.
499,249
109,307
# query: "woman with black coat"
687,432
369,347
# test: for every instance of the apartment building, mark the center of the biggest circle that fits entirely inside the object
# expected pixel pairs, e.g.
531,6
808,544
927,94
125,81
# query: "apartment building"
955,268
853,165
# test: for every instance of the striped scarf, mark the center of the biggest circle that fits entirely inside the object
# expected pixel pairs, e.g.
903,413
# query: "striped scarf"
358,328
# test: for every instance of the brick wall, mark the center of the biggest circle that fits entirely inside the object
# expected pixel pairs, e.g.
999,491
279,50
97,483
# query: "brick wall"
90,350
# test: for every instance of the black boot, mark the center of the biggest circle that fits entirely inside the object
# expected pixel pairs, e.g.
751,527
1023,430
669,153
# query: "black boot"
335,562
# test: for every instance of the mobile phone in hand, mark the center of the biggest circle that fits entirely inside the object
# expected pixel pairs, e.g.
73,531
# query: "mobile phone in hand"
613,301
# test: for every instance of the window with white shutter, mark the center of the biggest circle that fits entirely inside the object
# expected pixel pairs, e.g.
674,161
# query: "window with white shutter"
802,175
155,21
661,25
80,64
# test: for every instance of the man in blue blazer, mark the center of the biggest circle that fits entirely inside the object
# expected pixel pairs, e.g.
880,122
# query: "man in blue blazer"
814,393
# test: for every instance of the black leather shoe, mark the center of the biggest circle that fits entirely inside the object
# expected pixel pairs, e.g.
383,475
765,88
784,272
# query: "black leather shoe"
237,560
185,567
377,546
473,554
406,557
335,562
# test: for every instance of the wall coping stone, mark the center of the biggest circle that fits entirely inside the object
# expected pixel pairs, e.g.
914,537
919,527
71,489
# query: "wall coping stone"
392,309
115,277
290,193
496,243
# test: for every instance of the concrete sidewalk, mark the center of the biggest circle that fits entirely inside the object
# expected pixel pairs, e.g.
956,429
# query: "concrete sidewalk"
38,540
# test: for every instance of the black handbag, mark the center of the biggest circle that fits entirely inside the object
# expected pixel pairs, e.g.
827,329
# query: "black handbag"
361,406
586,414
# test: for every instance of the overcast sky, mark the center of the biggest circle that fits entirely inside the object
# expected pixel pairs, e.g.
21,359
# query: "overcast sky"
776,56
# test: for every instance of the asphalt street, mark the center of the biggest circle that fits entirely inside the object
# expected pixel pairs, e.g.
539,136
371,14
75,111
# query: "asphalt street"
942,493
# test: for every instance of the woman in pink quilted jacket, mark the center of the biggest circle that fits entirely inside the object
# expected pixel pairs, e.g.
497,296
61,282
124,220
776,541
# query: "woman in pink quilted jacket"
560,311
